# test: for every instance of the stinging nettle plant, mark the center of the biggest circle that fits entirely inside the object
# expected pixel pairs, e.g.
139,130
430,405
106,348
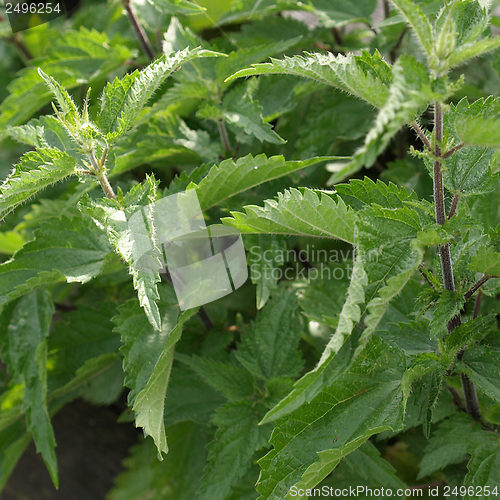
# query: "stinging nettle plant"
297,380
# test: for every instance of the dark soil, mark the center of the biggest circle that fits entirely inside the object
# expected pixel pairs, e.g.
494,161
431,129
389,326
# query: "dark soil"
91,446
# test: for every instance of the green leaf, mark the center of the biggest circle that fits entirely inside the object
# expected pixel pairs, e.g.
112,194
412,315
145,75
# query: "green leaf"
77,341
448,306
163,138
424,378
253,53
308,386
326,372
176,478
473,49
64,249
243,113
248,10
36,171
470,19
27,322
365,400
449,443
66,105
452,441
305,212
230,454
468,172
47,132
409,93
484,469
322,293
190,398
232,177
359,193
459,30
13,442
329,123
177,7
468,333
232,380
123,100
73,59
482,365
266,255
473,169
270,348
148,356
91,370
350,314
391,253
367,76
486,261
114,217
365,466
476,123
10,242
330,15
341,12
418,21
387,257
481,131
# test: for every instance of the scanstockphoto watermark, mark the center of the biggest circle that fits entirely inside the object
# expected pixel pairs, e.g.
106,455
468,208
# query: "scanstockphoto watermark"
362,491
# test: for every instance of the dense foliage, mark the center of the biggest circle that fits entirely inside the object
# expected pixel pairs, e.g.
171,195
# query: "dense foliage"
356,151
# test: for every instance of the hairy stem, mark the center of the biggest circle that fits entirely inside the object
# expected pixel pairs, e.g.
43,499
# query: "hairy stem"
476,286
425,275
421,134
224,136
84,171
337,36
394,51
444,250
139,31
18,42
205,318
471,401
453,207
453,150
438,175
456,398
106,186
387,8
477,304
100,173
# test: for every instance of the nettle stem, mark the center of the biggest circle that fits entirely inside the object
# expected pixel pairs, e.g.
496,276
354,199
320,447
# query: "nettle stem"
440,209
471,400
100,173
453,207
139,30
224,136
